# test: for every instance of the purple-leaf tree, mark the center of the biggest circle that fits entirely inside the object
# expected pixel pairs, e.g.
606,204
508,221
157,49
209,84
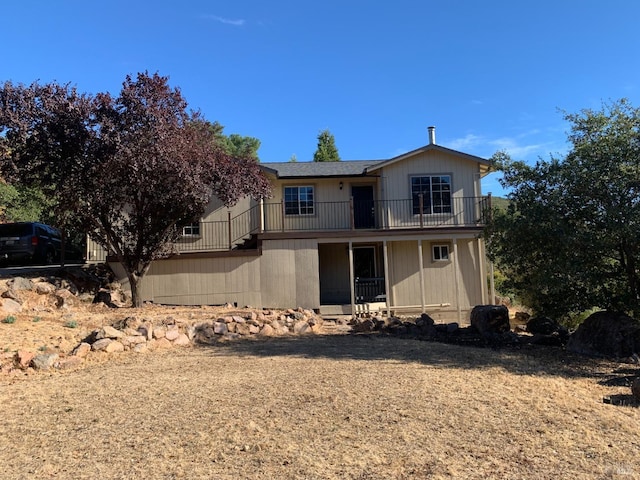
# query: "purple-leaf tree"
132,168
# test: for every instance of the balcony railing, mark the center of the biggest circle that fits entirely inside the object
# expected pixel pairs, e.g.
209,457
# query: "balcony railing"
369,289
335,216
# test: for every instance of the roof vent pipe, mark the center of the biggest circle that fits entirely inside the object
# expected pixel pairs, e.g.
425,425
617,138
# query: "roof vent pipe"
432,135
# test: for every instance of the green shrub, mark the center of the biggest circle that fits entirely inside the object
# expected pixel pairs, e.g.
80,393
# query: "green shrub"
573,320
71,324
36,319
9,319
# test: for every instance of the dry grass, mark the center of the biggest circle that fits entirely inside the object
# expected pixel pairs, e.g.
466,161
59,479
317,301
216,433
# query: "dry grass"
324,407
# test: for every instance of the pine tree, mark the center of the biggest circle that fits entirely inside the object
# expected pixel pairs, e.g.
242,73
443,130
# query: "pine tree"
327,150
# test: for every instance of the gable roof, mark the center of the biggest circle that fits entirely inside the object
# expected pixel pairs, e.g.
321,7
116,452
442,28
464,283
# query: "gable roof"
432,146
358,168
347,168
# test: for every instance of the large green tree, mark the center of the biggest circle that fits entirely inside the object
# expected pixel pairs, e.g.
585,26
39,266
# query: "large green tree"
235,145
130,168
327,150
24,204
570,239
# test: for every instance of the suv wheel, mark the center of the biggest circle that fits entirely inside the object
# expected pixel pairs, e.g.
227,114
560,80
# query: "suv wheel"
49,257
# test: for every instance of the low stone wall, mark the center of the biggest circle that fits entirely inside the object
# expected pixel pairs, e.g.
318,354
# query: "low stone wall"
135,335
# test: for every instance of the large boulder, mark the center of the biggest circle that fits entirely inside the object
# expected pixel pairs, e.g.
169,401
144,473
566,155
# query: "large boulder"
490,320
547,331
607,334
635,389
542,325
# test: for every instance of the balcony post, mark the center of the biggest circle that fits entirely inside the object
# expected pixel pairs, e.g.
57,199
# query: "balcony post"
261,219
352,214
489,208
282,211
421,203
229,219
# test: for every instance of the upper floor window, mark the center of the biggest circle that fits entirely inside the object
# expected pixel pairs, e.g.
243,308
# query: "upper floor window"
436,193
191,230
298,200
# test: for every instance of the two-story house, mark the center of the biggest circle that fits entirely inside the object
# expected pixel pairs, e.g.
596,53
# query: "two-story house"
402,234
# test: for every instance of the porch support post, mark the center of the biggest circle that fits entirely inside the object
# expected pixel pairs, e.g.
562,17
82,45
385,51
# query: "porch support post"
261,205
456,270
492,286
483,274
421,270
352,280
387,290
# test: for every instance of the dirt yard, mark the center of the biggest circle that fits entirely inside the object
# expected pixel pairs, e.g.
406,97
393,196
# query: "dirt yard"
311,407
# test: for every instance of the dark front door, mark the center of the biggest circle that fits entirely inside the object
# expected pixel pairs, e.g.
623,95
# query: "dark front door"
363,206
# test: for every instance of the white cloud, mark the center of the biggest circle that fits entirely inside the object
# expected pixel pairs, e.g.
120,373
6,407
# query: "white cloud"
517,151
514,146
468,141
227,21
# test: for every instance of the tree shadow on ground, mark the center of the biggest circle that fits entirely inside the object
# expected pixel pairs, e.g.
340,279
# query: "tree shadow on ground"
523,360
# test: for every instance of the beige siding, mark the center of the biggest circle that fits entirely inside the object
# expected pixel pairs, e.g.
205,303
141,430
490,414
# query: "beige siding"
396,189
289,272
439,277
404,275
215,226
471,280
334,273
395,181
332,209
204,281
95,253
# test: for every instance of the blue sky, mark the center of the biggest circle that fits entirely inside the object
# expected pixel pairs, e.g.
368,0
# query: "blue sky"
489,75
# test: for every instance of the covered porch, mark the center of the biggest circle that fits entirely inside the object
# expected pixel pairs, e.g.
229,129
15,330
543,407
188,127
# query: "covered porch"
400,274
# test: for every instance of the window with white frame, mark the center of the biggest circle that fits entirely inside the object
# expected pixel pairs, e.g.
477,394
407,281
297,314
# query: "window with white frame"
191,230
440,253
299,200
435,191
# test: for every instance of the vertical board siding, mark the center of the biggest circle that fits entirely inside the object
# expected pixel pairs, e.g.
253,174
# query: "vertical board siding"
470,265
95,252
208,281
439,276
334,273
396,184
331,204
404,275
289,273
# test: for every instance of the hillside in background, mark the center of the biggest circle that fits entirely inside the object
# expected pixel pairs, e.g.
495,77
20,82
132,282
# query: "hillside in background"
500,202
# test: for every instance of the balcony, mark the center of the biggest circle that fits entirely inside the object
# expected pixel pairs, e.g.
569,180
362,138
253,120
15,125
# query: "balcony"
272,217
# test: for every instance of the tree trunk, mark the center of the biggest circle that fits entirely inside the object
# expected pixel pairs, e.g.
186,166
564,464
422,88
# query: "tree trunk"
135,283
629,265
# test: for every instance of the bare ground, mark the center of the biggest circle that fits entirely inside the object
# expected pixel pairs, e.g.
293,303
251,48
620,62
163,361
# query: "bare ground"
317,407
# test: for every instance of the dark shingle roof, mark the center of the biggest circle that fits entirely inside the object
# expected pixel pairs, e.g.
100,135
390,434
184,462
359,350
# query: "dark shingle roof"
348,168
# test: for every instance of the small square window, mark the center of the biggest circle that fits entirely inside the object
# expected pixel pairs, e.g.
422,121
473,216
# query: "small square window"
191,230
440,253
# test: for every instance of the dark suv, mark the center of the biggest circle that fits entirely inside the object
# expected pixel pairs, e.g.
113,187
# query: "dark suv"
29,242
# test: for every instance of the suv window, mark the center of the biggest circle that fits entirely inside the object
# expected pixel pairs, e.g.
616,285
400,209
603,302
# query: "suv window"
15,230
